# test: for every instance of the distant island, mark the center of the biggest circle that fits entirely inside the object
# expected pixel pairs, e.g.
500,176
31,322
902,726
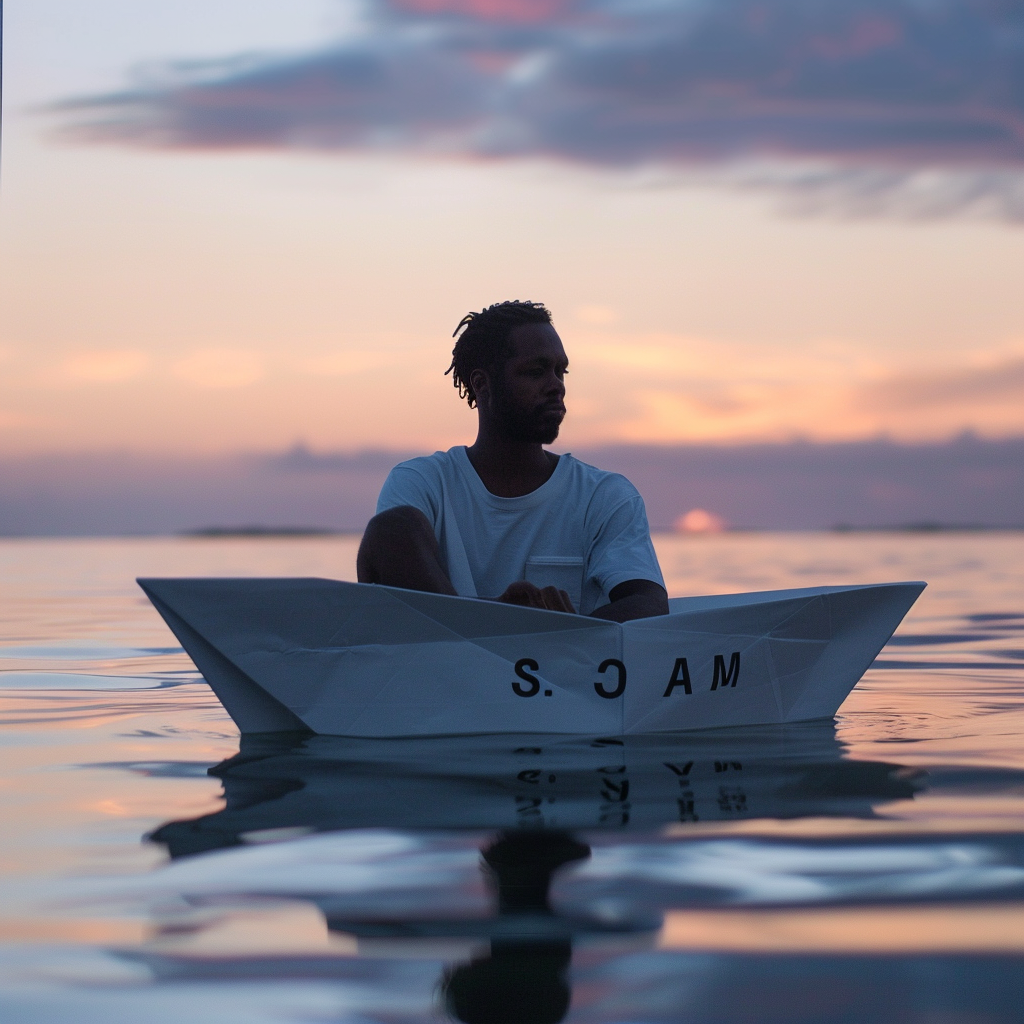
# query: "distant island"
262,531
927,527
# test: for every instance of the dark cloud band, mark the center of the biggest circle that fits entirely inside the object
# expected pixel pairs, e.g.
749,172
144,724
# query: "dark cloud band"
903,83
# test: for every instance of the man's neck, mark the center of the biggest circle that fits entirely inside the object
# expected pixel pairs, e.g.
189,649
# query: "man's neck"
510,469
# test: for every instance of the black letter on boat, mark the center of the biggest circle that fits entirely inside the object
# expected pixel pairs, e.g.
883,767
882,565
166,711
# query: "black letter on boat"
722,677
521,666
680,677
621,688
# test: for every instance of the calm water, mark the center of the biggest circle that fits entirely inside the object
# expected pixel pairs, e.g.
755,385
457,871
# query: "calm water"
870,869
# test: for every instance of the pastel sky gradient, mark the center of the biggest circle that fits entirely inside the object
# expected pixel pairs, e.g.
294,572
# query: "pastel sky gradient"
235,224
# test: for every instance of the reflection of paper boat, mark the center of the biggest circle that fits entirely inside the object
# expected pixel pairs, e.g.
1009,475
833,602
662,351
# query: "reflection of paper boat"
281,785
352,659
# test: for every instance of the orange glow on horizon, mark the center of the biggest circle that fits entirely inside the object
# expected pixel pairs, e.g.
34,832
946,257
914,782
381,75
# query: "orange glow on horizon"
698,520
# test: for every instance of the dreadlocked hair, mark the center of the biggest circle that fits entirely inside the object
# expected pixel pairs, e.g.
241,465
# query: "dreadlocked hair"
483,343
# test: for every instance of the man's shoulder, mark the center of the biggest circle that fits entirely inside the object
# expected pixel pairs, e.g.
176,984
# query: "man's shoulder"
421,482
603,482
430,466
425,471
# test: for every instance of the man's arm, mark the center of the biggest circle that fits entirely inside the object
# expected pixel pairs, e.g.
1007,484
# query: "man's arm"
634,599
622,551
399,549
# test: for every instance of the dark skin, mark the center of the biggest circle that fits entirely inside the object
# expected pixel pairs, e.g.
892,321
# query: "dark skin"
520,408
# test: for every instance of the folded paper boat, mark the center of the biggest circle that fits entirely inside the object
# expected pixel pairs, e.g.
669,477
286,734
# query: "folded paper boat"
352,659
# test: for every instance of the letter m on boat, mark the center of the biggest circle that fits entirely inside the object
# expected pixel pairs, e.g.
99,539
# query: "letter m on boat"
726,677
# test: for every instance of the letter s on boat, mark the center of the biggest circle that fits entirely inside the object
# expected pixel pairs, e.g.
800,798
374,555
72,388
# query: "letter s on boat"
521,666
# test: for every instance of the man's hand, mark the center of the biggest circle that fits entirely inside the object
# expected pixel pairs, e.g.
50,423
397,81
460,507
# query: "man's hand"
634,599
525,593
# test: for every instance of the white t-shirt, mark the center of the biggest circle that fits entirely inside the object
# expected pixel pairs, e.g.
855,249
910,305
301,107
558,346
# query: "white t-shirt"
584,530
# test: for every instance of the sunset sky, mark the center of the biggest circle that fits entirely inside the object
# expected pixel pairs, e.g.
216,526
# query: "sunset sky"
237,224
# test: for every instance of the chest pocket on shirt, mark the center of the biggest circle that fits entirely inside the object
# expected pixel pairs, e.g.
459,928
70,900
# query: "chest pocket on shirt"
562,571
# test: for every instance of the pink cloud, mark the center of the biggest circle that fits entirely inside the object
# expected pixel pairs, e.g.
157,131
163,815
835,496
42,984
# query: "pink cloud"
523,11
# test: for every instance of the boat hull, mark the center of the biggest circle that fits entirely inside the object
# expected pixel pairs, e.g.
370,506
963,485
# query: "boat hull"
353,659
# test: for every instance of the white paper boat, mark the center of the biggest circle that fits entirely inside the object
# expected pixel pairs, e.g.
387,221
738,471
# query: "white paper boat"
353,659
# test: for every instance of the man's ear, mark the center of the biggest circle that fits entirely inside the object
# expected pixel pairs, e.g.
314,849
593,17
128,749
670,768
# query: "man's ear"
481,384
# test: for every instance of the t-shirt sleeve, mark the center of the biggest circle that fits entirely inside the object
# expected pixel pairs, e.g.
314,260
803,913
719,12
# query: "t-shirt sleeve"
408,486
622,549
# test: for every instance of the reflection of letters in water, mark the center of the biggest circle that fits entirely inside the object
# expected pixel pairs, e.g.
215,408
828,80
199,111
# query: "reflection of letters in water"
319,783
521,979
721,679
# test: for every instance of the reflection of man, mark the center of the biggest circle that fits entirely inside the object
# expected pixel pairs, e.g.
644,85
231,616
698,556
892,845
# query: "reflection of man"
519,982
522,979
504,516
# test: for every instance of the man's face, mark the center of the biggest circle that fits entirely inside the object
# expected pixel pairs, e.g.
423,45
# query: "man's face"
528,394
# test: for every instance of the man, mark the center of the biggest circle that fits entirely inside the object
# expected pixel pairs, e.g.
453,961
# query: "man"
503,518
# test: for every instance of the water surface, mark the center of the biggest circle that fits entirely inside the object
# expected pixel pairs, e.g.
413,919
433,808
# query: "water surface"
154,868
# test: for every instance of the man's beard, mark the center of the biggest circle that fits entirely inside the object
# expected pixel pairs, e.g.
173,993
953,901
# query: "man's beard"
524,426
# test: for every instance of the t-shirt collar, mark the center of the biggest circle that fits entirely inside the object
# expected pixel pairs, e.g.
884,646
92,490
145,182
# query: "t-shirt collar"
535,497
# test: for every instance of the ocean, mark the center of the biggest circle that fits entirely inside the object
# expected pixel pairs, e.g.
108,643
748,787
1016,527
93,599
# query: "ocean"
155,869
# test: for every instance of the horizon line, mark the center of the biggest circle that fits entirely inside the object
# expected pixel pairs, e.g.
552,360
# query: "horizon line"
302,448
256,532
